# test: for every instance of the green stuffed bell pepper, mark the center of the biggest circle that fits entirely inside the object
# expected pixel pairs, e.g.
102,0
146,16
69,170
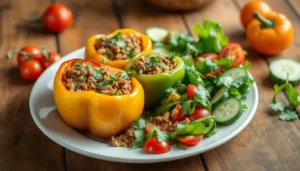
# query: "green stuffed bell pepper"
156,72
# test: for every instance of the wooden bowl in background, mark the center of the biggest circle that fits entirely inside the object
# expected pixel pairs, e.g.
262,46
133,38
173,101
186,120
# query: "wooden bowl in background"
179,5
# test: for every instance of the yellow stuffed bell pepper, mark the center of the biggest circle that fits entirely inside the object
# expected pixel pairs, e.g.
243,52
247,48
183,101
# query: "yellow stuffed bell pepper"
91,52
102,115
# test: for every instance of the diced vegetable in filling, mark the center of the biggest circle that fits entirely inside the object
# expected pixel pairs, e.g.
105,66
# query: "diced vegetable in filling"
85,77
154,64
119,47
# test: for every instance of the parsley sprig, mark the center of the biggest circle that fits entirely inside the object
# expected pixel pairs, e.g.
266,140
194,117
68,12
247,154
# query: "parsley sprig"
117,40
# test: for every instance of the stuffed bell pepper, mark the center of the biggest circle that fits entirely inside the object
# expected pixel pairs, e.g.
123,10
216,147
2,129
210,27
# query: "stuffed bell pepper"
117,48
156,72
98,98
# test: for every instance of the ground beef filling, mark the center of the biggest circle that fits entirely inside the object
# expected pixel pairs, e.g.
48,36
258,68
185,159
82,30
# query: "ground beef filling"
154,64
85,77
119,47
163,122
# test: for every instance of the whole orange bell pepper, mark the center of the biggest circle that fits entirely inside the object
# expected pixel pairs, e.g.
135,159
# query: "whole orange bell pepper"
252,6
92,54
271,34
102,115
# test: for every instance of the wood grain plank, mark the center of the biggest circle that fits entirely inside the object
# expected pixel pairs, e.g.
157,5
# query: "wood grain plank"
257,147
22,145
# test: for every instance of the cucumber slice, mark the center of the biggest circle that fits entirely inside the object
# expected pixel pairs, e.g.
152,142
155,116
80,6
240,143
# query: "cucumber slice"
220,95
279,69
234,73
157,34
228,111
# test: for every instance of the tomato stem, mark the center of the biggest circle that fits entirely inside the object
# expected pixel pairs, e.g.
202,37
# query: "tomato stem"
10,53
265,23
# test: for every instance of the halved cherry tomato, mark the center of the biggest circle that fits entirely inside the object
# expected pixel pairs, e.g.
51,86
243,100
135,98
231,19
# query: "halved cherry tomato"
234,52
153,146
190,140
149,127
212,57
29,50
53,58
31,70
200,112
178,116
191,89
57,17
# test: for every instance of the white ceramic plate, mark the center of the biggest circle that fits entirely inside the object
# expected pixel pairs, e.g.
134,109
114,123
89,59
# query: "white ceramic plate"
46,117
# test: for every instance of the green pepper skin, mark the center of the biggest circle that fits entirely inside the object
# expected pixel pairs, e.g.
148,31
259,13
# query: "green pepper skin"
155,85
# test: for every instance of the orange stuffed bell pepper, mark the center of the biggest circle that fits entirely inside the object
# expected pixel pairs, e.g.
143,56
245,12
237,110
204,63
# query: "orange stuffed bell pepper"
271,34
86,99
118,47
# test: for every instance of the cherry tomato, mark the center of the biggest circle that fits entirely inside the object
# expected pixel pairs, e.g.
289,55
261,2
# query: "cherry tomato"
31,70
57,17
178,116
53,58
212,57
190,140
29,50
191,89
153,146
234,52
200,112
149,127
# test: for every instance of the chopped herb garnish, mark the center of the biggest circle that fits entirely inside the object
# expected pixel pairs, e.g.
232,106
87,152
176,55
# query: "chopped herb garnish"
153,60
132,72
162,65
77,64
97,74
131,54
107,81
117,40
124,75
116,93
104,61
81,78
171,56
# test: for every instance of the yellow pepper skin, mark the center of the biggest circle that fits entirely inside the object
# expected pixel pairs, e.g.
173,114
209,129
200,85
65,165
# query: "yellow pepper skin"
92,54
102,115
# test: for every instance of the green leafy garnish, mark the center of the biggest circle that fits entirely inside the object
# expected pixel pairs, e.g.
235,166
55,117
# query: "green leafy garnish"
97,74
77,64
131,54
160,135
188,107
132,72
139,133
194,128
124,75
117,40
106,82
171,56
206,66
225,62
152,61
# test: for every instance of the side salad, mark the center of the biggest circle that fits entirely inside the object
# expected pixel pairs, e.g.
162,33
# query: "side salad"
216,81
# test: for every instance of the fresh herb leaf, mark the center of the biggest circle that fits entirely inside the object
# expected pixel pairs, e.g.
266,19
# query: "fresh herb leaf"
234,92
225,62
160,135
152,61
244,107
171,56
293,95
139,123
131,54
188,107
77,64
206,66
225,81
97,74
194,128
246,65
104,60
107,81
288,115
194,78
277,106
140,138
124,75
132,72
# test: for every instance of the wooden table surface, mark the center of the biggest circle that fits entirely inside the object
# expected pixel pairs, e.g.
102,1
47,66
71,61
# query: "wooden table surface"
266,144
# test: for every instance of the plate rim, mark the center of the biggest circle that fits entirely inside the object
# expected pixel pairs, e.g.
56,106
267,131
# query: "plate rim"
141,160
